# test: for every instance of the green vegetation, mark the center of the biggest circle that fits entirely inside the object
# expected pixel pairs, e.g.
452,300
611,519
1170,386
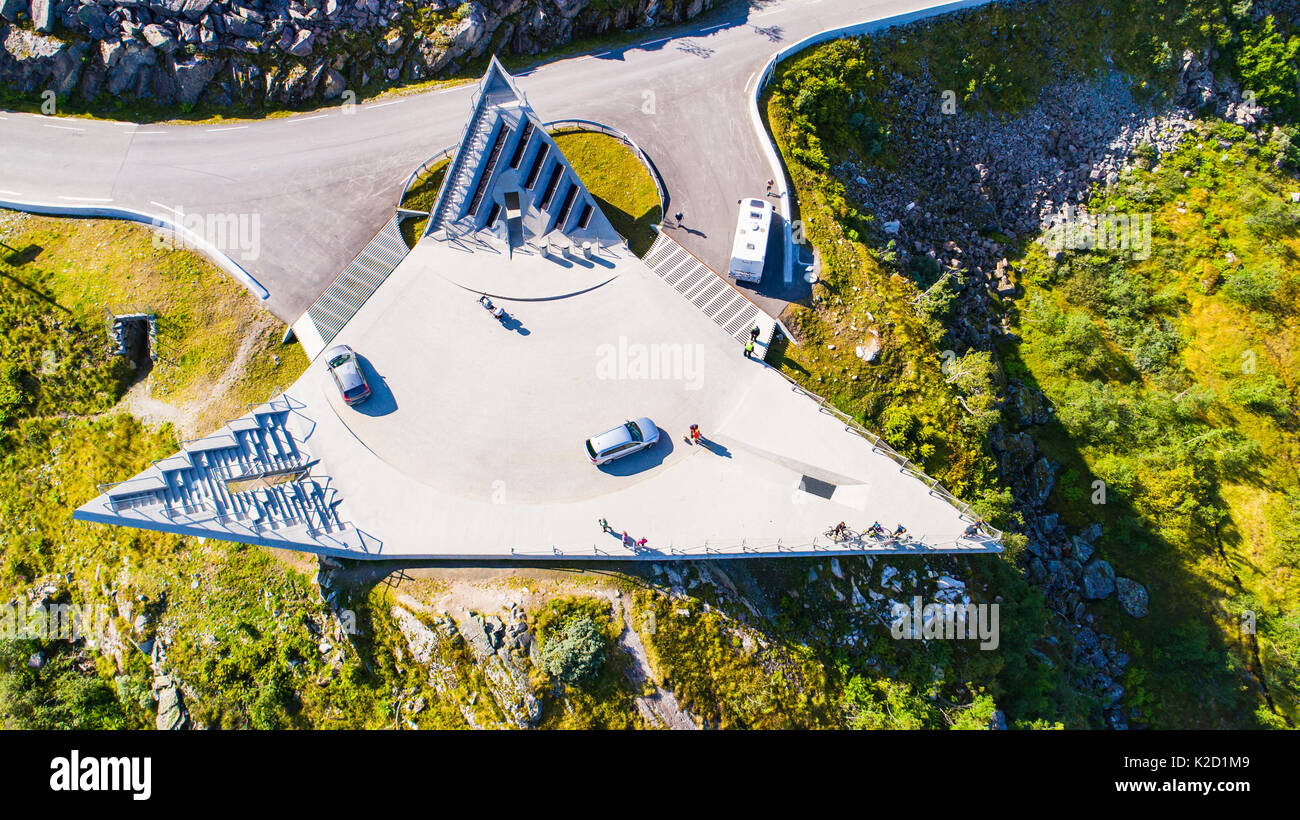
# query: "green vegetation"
580,652
573,642
422,196
1174,380
706,661
1142,359
62,279
58,694
621,185
237,619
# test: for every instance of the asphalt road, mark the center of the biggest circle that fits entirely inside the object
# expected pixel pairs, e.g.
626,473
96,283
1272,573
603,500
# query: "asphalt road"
320,184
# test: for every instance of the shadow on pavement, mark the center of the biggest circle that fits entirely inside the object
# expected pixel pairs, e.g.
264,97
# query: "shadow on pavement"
647,459
732,15
714,447
381,401
509,322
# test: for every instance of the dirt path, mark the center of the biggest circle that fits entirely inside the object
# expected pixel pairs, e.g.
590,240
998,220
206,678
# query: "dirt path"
189,416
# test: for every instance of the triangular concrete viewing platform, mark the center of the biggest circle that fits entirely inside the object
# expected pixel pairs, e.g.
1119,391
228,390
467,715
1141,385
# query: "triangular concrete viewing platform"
472,443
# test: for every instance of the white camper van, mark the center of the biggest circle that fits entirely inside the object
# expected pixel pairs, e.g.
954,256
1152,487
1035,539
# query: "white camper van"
750,247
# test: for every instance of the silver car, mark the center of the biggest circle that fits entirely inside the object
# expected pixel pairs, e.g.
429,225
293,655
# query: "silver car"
345,369
629,437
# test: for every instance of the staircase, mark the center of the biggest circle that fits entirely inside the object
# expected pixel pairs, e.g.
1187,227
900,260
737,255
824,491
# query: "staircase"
709,293
251,473
461,175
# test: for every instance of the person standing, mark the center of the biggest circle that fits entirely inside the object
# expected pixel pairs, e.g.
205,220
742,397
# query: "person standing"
753,333
604,526
749,349
695,434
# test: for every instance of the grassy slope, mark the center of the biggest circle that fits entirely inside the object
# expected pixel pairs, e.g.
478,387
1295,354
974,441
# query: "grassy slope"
996,60
241,637
621,184
1195,527
87,267
422,196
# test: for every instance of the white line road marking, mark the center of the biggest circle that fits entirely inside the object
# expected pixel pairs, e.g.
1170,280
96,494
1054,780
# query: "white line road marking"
63,127
307,119
147,133
10,193
87,198
766,13
381,105
719,25
230,128
165,207
652,42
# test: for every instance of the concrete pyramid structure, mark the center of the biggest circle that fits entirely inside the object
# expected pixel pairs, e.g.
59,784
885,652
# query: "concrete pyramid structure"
508,177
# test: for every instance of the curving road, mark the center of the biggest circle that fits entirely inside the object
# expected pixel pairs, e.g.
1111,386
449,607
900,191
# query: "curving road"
321,184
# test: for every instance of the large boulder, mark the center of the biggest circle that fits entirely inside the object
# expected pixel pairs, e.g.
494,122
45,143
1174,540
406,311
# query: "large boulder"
334,85
171,709
10,9
1098,580
128,68
302,43
192,76
42,12
1132,597
95,20
161,38
195,9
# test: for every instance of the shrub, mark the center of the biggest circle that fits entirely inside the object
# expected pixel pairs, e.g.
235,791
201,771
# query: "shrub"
1267,63
576,652
1253,287
1266,395
12,395
1272,218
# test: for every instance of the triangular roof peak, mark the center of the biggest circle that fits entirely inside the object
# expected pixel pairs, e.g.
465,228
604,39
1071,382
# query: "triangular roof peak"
508,177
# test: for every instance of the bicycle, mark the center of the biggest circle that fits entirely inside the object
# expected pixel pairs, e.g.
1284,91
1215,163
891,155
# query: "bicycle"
846,535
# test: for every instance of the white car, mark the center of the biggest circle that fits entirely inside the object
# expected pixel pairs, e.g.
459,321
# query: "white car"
629,437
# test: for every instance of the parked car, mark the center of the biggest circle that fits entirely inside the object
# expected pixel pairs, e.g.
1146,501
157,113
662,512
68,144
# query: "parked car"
345,369
629,437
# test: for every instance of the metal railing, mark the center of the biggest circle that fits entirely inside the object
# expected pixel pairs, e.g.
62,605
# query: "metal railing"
881,446
444,154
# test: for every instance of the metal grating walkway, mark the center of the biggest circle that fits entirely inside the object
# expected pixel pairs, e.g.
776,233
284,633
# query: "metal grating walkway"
712,295
358,281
